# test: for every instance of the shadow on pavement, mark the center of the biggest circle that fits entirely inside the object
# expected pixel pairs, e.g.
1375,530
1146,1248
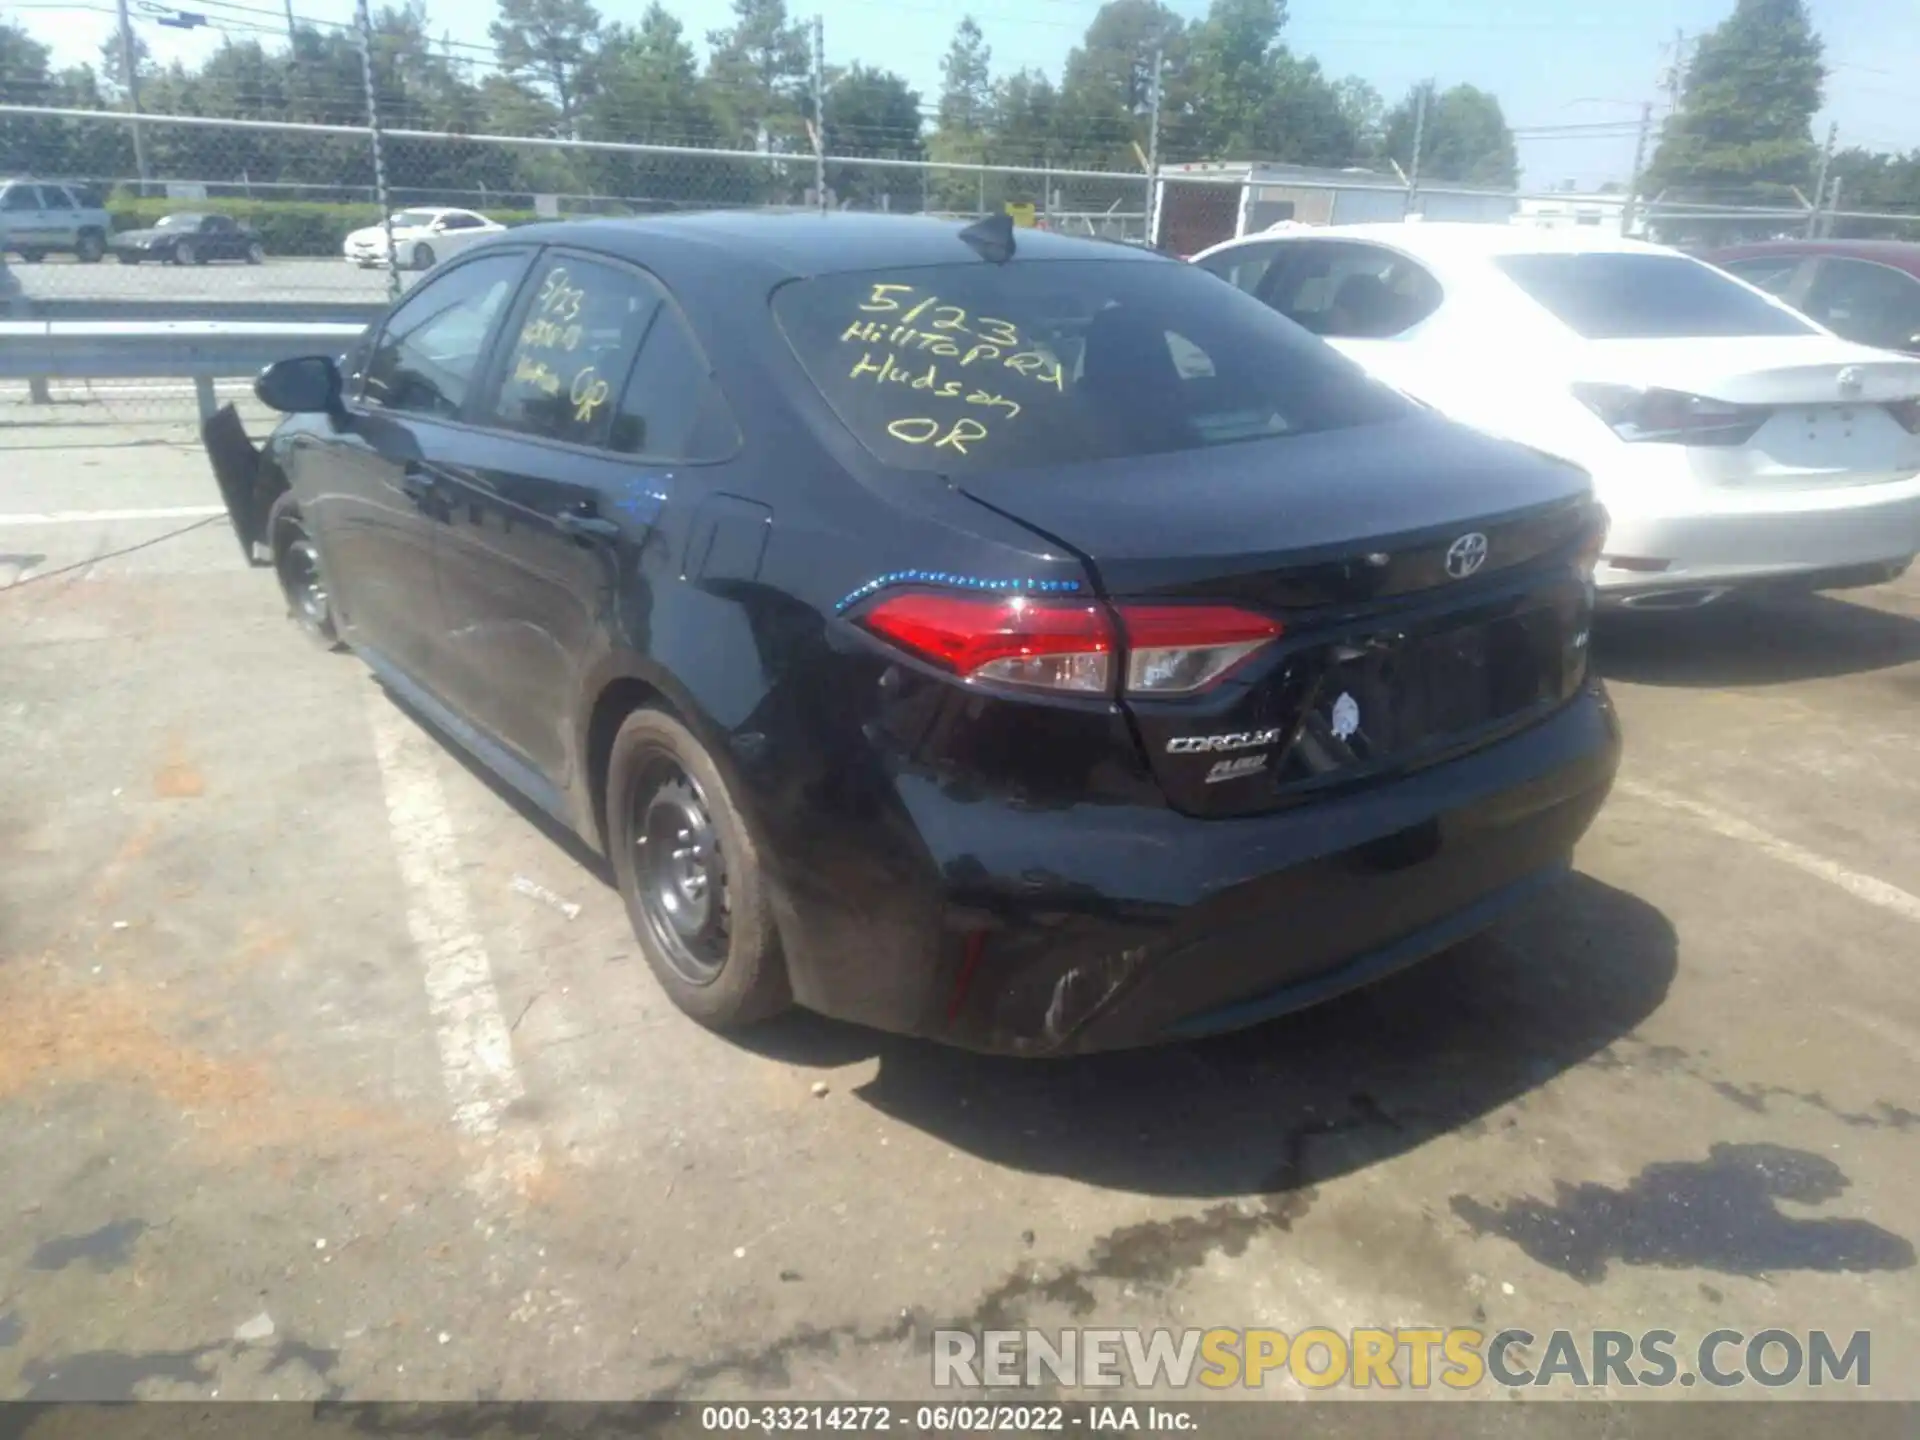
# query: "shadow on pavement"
1271,1110
1765,640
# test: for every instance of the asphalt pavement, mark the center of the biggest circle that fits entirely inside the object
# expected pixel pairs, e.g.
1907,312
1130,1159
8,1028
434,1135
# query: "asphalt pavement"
327,1071
281,278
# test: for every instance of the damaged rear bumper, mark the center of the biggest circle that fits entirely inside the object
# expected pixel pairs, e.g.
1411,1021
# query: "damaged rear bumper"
1099,928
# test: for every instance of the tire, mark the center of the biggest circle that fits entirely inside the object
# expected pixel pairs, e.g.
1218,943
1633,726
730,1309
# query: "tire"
91,247
32,257
712,944
182,253
127,257
296,563
423,257
256,253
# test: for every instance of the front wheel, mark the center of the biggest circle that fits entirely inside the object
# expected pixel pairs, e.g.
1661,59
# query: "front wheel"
256,253
127,257
690,876
32,257
296,561
423,257
92,247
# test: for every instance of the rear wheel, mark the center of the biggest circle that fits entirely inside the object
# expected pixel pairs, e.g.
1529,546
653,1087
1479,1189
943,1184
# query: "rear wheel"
256,253
91,247
32,257
690,876
127,257
184,253
296,561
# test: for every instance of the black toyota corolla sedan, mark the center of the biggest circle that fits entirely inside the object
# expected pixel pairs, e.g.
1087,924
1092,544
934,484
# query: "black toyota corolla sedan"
1025,642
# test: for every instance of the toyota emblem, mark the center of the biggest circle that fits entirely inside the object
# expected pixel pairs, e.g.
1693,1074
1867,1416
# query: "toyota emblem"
1851,380
1466,555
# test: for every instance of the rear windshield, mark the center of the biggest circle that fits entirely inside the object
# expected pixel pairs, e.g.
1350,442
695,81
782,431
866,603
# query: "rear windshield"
965,368
1645,297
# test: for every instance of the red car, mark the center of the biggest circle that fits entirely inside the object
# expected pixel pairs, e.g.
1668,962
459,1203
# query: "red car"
1867,291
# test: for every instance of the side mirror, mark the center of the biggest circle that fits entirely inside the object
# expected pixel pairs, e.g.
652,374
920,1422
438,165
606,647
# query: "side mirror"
305,385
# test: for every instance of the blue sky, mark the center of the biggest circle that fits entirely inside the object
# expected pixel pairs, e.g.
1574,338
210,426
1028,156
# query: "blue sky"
1551,65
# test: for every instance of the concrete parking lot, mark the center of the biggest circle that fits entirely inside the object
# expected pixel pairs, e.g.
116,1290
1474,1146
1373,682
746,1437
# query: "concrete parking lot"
328,1072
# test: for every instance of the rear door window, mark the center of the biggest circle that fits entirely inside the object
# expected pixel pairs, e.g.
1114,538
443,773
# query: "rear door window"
964,368
1351,291
1625,295
570,349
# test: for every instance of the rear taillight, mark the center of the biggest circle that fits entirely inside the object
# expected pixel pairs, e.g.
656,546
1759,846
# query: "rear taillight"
1669,416
1179,649
1068,646
1047,644
1907,412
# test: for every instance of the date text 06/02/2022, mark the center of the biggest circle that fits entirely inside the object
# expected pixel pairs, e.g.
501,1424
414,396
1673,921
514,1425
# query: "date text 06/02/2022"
946,1419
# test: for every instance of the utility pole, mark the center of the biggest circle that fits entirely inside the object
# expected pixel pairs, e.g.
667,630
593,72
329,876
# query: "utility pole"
820,112
1820,185
1153,149
1833,209
1627,215
1673,80
379,152
289,26
133,95
1419,138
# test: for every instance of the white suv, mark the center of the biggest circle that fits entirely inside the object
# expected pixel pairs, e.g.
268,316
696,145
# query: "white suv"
37,217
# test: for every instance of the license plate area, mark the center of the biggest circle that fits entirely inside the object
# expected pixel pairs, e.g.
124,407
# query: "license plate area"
1395,700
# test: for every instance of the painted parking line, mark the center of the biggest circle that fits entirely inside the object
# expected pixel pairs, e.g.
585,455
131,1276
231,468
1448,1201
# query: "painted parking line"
475,1044
107,517
1861,887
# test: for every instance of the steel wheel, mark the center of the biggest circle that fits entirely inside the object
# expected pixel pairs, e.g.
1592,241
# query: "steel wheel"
303,580
681,871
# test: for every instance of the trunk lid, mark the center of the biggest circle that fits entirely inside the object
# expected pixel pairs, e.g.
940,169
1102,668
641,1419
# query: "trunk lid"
1393,655
1771,370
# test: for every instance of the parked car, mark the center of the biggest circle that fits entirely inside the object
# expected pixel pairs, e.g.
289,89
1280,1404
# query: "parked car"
1733,442
1029,643
191,239
420,237
38,217
1867,291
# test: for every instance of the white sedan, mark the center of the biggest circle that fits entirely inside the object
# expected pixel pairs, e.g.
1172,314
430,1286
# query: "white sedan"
1732,440
420,237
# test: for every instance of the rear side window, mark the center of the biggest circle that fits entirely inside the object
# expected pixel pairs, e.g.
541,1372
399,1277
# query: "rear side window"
962,368
1866,302
575,342
20,197
1609,296
54,198
672,407
1355,292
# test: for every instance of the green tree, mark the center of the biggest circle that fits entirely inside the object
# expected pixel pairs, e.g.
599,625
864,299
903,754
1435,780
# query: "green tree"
1366,116
760,72
965,113
1234,51
1744,126
874,112
1464,137
550,39
1106,89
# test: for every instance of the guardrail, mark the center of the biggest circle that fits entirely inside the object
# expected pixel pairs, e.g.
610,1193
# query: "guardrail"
202,351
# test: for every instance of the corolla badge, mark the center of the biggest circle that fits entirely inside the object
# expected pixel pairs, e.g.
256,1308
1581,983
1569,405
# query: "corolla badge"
1851,380
1466,555
1238,740
1346,717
